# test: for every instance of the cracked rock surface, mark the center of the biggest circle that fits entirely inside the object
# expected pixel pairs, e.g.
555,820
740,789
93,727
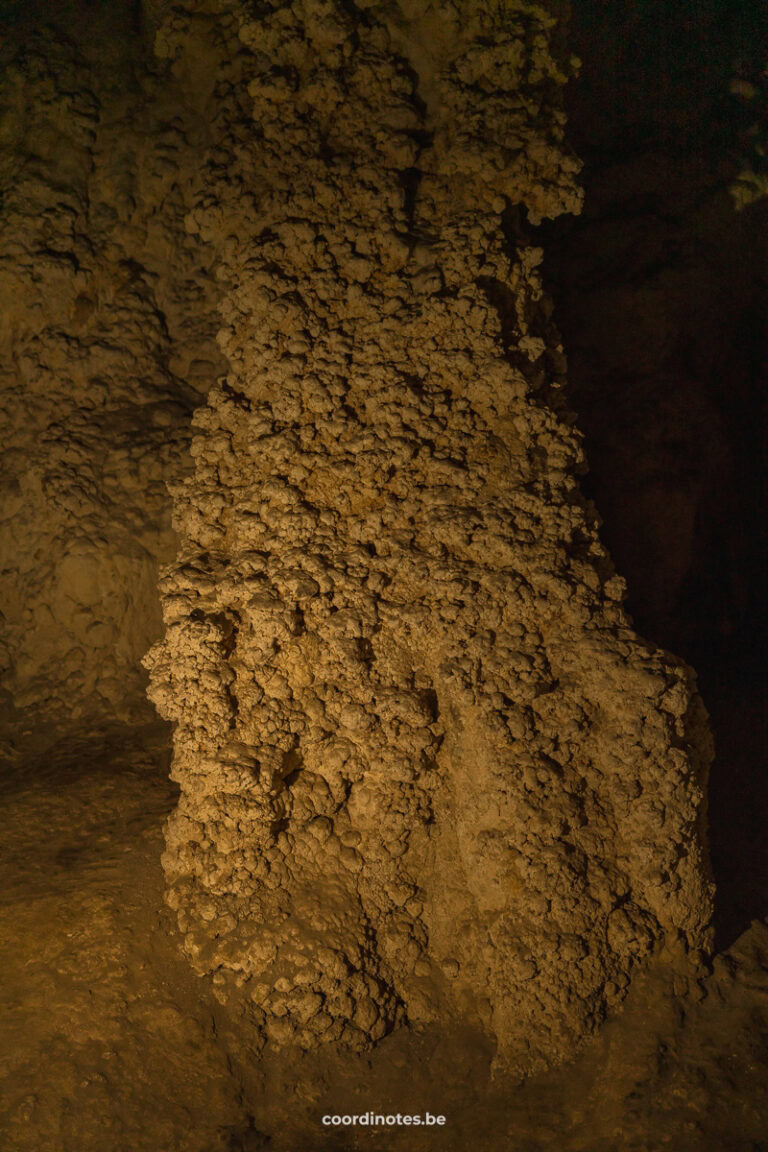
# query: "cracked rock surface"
427,769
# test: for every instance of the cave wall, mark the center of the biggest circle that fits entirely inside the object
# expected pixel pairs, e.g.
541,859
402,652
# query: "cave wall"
107,323
427,767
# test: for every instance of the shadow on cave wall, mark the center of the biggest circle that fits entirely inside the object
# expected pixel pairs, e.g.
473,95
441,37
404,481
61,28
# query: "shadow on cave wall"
74,15
661,300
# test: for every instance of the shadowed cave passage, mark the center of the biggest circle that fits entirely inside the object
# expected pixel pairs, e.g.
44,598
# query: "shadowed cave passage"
660,293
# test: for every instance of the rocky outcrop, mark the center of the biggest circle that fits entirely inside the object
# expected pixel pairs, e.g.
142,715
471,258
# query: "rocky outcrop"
427,768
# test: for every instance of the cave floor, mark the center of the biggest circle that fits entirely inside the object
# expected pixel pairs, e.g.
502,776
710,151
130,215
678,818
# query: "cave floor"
108,1041
111,1044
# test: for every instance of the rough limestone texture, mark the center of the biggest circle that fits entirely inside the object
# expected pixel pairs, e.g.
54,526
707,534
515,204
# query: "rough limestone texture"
427,768
107,324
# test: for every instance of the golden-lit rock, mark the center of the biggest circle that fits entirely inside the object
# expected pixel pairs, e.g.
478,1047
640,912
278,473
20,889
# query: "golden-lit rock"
419,745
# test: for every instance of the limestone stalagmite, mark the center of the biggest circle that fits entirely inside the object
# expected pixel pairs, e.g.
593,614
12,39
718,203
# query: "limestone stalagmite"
427,768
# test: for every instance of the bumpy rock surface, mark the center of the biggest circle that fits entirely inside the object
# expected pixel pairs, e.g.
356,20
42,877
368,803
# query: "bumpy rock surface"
107,328
427,768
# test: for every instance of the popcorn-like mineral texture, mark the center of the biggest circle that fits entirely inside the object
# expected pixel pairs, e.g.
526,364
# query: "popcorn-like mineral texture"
427,768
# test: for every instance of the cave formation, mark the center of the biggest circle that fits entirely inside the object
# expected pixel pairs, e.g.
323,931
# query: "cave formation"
293,426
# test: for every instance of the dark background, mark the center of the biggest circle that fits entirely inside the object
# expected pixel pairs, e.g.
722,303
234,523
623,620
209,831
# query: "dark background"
660,295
